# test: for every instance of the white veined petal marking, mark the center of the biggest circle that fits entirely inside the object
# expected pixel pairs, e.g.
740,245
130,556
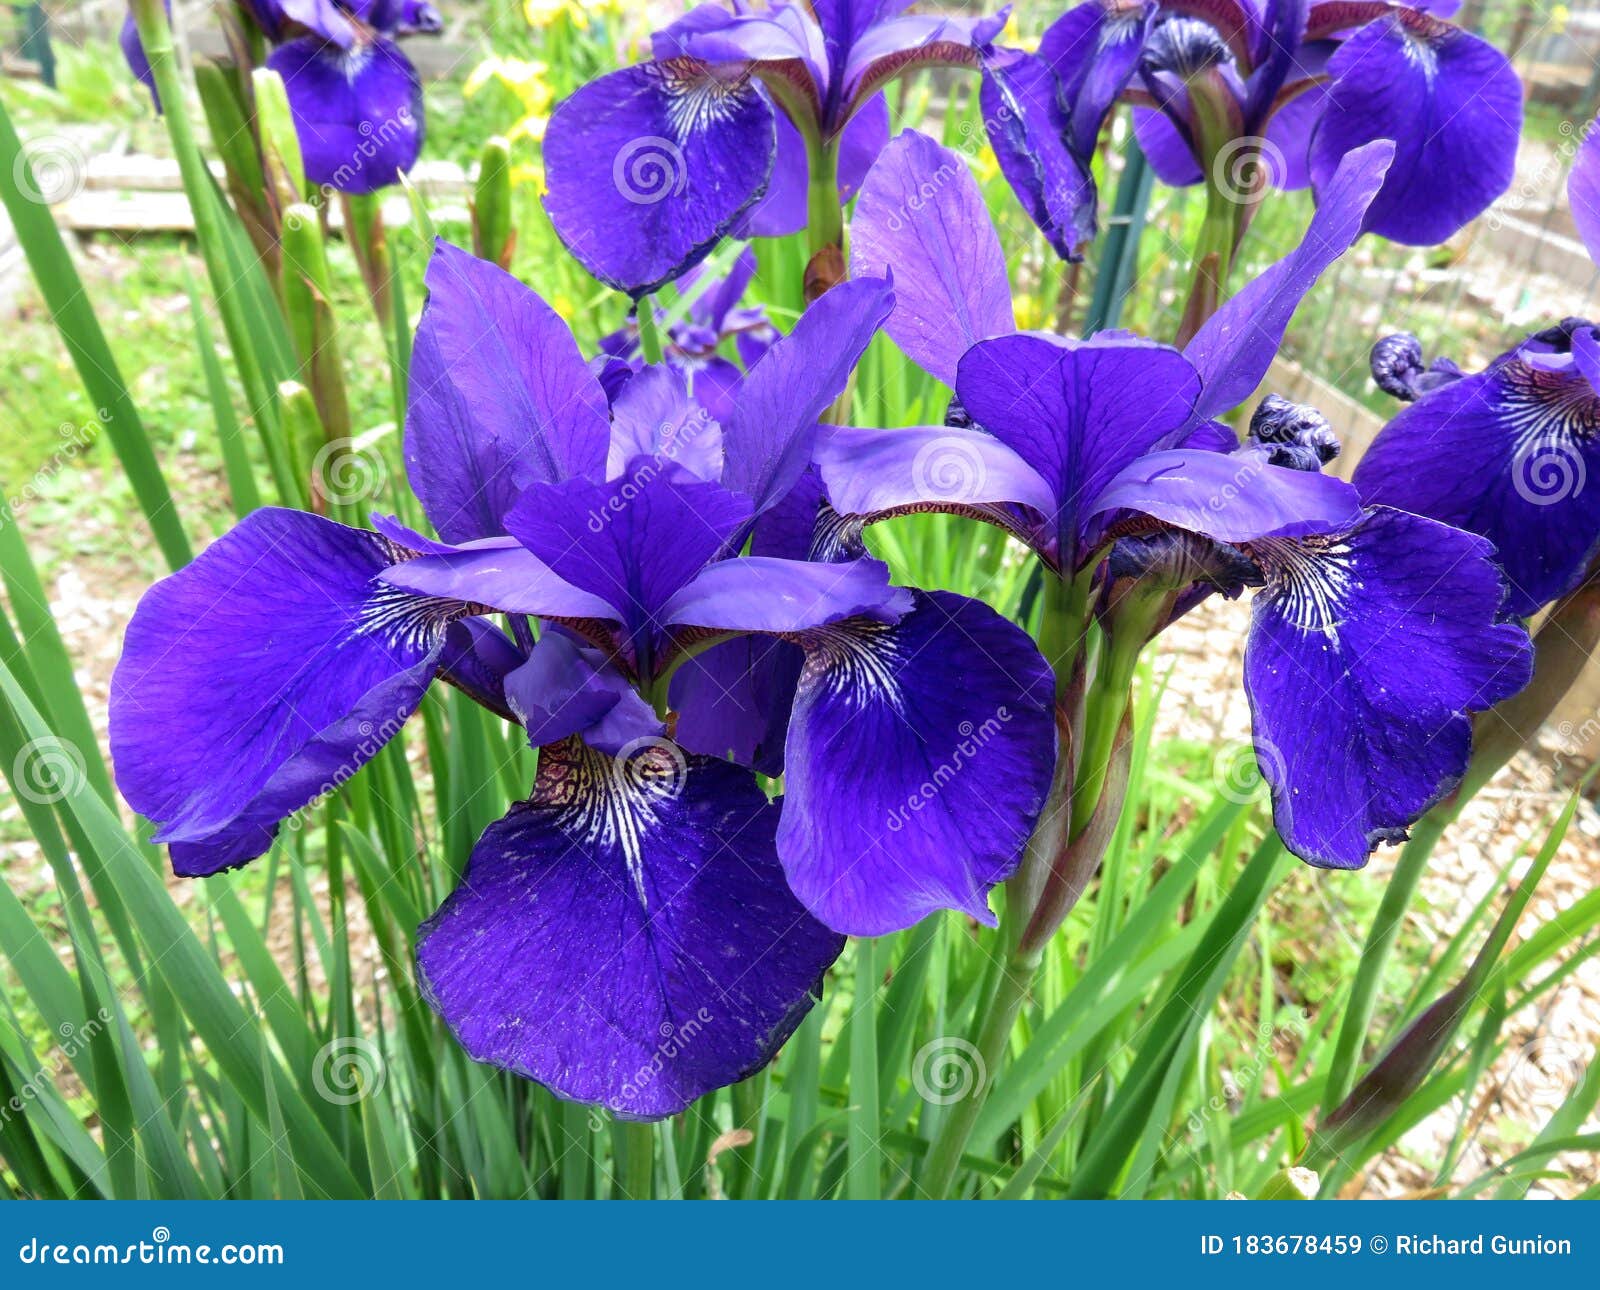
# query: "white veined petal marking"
1548,411
859,662
403,620
699,96
606,803
1308,581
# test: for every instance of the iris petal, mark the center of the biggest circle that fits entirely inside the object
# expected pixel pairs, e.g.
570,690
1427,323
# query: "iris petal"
357,112
1512,454
625,937
1451,102
1065,410
922,219
1365,653
918,758
262,675
648,167
500,398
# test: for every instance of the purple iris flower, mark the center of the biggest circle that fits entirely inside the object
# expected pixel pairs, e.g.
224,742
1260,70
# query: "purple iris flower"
645,888
1375,632
692,343
1511,452
1250,92
355,97
649,166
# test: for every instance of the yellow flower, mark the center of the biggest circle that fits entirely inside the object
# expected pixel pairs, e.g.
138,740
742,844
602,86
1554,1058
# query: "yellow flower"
542,13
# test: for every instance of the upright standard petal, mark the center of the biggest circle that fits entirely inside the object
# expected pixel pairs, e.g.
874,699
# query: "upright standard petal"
263,675
1077,413
1512,454
357,111
654,416
633,542
1236,346
922,221
1451,102
647,168
767,441
1366,651
1028,128
625,937
918,758
500,398
564,689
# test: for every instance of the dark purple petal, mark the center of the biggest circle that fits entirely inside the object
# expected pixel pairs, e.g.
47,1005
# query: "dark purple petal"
358,112
647,168
1583,192
1232,497
500,398
1451,102
564,689
263,675
922,220
1094,50
767,441
1236,346
918,758
1512,454
633,542
1077,413
625,937
1279,57
1027,127
655,417
476,659
768,595
1365,653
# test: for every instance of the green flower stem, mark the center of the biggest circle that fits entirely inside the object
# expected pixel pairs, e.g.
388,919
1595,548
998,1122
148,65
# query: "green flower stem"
824,215
649,334
1397,897
636,1169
